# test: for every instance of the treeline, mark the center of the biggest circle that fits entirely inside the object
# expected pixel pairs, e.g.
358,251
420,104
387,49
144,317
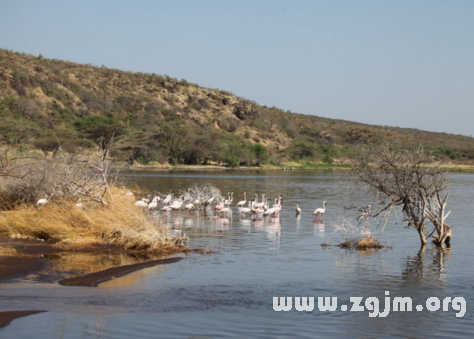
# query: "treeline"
46,103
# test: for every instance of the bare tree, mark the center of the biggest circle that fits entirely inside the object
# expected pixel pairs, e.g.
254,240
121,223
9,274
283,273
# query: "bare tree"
11,162
410,179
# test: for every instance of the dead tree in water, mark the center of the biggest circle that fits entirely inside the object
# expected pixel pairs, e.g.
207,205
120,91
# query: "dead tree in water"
410,179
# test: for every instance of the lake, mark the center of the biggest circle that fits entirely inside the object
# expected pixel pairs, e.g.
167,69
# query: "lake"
229,293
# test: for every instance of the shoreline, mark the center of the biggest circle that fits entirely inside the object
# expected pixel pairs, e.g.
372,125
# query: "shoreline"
20,258
7,317
450,168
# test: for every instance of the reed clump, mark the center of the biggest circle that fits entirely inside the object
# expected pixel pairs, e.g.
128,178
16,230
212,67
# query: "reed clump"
117,222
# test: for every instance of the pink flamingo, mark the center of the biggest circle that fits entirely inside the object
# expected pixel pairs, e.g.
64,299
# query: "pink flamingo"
257,210
319,211
219,206
226,208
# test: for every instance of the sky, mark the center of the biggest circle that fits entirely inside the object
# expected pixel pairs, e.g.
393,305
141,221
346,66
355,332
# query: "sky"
401,63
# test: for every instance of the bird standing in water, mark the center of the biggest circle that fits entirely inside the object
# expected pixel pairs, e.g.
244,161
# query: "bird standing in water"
298,209
319,211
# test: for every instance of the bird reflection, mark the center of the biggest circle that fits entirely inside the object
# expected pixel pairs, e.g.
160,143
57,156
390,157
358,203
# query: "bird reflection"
274,233
319,228
221,224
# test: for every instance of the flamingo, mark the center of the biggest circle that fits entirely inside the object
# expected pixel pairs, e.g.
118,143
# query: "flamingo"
277,207
188,207
246,210
220,206
319,211
154,203
143,203
130,195
260,204
225,209
168,198
298,209
257,209
242,202
231,198
176,205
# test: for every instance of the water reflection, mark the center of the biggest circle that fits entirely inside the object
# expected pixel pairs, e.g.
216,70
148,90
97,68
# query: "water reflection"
427,267
319,228
229,294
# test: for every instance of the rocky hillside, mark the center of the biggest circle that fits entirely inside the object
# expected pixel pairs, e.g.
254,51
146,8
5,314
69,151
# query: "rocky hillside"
159,118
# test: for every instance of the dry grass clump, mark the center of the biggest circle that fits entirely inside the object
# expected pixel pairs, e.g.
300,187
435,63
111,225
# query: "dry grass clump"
119,222
362,244
354,235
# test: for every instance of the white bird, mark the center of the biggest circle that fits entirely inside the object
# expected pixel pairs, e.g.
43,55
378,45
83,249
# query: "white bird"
79,203
42,202
276,208
176,205
188,207
257,209
168,199
142,203
298,209
154,203
319,211
260,205
246,210
225,209
242,202
231,198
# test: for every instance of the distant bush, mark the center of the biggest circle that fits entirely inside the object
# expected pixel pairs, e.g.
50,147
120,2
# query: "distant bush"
233,161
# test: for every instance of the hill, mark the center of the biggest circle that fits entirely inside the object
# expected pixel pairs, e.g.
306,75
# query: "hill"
160,118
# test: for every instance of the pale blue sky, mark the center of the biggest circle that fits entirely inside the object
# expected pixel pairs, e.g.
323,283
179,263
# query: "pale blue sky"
396,63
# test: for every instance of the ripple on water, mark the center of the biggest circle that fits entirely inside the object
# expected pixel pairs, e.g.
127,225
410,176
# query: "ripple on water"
230,294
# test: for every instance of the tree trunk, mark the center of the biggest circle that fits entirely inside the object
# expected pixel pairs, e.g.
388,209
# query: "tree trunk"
422,236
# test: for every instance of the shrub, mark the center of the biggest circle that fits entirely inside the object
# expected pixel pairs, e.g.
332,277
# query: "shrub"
233,161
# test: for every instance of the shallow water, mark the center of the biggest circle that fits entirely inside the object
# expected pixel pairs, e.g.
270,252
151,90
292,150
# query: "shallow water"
229,294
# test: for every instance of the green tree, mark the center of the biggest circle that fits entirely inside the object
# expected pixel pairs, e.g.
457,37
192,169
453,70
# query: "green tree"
259,153
233,161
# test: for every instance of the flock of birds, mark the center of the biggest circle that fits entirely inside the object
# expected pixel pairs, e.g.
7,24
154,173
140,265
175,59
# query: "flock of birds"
253,206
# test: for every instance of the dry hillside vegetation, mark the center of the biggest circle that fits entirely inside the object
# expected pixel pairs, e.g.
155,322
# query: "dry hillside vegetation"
44,102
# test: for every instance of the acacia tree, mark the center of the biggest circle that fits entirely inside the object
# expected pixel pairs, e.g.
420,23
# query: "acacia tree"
410,179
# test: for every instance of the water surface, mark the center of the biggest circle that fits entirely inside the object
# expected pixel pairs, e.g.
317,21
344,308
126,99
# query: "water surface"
229,294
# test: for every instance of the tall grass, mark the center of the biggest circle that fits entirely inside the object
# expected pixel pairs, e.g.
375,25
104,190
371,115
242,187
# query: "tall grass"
119,222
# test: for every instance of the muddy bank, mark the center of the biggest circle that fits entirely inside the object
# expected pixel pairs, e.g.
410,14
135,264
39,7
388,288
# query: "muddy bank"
20,257
7,317
94,279
47,262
